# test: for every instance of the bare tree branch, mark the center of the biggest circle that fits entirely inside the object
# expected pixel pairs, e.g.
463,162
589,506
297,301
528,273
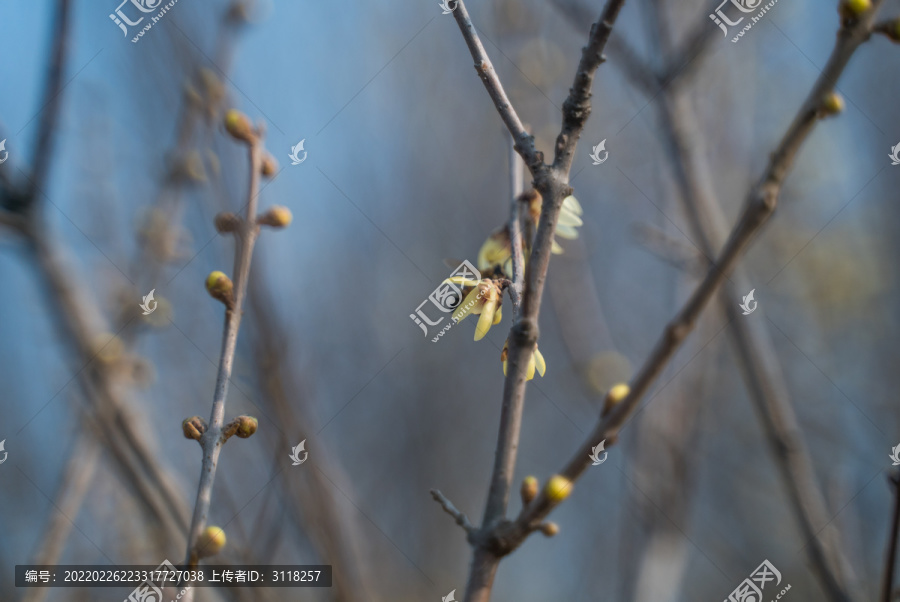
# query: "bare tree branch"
214,436
759,206
524,142
552,184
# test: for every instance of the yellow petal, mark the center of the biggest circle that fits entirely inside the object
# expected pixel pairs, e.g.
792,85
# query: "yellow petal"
569,218
572,204
504,367
539,361
567,232
464,308
461,281
556,249
498,315
484,322
529,371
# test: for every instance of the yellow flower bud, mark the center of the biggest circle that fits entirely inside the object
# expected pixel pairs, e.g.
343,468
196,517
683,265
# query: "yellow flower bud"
854,8
210,542
558,488
238,125
276,217
832,104
549,529
220,287
247,425
529,489
615,396
193,427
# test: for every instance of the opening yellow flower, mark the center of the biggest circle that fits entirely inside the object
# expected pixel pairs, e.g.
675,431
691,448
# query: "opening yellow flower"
536,362
485,299
569,217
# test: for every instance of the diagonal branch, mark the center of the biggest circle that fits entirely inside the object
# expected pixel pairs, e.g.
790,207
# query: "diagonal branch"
759,206
524,142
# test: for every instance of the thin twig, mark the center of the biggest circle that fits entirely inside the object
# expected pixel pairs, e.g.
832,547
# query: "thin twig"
213,438
524,142
515,229
461,519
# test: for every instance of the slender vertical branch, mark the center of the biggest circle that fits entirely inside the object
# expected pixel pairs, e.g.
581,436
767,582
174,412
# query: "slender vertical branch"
246,231
890,562
552,183
515,228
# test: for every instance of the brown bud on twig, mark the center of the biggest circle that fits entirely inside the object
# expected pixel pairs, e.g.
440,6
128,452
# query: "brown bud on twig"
193,427
238,125
220,287
227,222
549,529
529,489
242,426
276,217
269,165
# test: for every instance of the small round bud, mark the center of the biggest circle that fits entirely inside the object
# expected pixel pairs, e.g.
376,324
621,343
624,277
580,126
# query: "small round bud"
558,488
615,396
549,529
227,222
832,104
210,542
269,165
854,8
193,427
247,425
238,125
529,489
276,217
220,287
